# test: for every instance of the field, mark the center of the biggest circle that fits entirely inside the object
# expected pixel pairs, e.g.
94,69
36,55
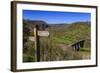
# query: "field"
57,46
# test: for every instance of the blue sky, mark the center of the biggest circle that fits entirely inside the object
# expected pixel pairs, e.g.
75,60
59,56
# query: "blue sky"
54,17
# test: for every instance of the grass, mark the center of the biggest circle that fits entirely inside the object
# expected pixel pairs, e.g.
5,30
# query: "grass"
86,53
28,58
85,49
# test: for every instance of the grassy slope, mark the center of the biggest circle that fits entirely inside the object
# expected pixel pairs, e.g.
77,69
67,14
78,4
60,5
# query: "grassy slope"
66,35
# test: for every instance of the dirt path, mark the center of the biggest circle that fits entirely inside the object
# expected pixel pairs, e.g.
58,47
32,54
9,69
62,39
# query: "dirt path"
84,54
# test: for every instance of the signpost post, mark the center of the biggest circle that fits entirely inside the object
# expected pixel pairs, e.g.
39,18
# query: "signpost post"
37,44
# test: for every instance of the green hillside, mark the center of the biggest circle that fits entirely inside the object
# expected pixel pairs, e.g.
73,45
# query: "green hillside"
70,33
57,46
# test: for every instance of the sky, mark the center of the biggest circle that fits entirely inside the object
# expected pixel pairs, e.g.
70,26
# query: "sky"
54,17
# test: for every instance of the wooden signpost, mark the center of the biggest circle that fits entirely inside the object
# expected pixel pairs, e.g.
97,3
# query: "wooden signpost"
32,38
37,35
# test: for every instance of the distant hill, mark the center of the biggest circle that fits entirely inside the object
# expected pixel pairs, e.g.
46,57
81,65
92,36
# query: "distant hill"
42,24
